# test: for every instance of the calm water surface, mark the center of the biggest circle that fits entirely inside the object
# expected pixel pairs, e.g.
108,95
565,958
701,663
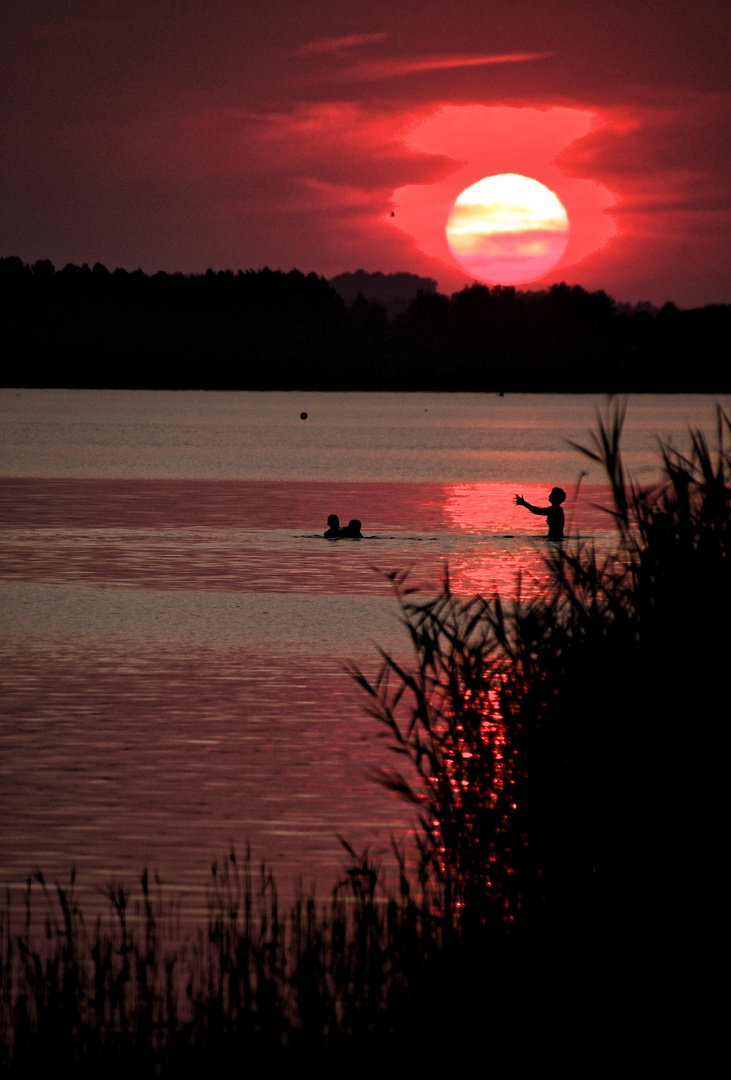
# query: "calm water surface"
175,627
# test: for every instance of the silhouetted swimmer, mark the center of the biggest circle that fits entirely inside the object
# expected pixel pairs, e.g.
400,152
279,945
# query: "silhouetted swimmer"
352,530
553,513
334,532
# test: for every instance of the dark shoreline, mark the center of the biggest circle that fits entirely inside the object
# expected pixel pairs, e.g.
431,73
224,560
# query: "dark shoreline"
267,330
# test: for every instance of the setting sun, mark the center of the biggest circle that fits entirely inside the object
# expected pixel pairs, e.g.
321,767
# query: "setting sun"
507,229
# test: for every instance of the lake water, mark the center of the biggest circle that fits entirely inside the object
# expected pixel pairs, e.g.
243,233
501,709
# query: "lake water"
175,627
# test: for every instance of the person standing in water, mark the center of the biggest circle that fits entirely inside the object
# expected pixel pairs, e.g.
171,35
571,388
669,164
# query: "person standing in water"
553,513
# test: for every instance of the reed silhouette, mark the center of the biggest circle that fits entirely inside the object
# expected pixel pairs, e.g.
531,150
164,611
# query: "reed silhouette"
544,745
560,757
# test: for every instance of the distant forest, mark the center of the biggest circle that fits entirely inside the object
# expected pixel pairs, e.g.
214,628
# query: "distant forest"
269,330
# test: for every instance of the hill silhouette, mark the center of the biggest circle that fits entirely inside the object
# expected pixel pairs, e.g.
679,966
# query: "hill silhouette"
394,292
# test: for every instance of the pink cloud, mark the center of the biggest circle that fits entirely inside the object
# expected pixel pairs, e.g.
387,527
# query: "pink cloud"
373,70
340,46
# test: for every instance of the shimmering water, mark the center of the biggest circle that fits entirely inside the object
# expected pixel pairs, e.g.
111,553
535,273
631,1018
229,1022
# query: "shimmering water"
175,627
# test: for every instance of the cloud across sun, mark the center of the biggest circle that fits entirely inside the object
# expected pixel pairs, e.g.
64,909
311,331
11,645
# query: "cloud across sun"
507,229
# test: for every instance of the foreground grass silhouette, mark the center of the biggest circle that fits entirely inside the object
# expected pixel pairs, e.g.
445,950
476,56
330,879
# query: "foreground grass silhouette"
561,896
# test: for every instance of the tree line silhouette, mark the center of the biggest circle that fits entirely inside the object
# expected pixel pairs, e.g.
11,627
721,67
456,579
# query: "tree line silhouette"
270,330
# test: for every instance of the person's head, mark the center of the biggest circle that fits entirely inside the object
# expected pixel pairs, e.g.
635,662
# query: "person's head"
557,496
354,525
333,521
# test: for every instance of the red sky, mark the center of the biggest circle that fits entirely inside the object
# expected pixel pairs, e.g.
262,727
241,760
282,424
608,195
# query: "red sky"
183,134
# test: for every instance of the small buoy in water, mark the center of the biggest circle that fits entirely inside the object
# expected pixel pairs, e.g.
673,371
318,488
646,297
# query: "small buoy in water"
303,416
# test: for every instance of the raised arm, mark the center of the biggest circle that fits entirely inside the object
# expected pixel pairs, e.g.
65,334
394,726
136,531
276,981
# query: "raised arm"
544,511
